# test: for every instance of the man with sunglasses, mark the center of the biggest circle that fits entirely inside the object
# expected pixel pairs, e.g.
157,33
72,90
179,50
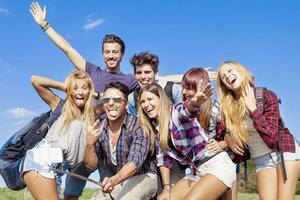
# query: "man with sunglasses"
119,141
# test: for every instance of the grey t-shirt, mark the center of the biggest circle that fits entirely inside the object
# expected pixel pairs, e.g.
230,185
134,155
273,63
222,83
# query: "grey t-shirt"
72,140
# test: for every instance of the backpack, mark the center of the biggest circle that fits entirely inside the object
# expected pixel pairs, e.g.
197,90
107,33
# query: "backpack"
14,150
168,90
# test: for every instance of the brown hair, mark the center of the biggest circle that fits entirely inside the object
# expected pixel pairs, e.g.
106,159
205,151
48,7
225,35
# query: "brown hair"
164,116
190,80
145,58
111,38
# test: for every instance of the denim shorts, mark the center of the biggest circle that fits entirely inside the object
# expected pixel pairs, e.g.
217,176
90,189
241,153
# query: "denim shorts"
271,160
29,164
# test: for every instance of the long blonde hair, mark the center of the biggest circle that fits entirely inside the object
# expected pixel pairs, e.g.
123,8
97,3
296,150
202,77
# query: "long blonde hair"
234,109
164,116
70,110
191,79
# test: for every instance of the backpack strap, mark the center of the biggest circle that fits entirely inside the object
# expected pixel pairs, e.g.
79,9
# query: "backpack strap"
136,96
169,89
259,94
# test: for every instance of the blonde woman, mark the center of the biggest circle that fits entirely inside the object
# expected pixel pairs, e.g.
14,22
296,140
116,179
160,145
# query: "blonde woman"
184,139
260,130
67,133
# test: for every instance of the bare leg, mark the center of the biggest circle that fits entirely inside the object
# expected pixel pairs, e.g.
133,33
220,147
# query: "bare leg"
208,188
267,183
181,188
40,187
287,190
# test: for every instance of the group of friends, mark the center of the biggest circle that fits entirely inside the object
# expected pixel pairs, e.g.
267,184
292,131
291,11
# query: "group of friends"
153,138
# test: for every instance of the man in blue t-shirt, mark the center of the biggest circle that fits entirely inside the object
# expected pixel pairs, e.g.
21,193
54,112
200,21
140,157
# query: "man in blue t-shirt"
113,49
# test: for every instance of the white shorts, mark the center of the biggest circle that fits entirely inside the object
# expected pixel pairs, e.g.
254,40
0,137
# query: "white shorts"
219,166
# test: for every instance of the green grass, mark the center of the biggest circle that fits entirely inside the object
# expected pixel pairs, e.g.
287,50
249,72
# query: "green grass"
248,196
7,194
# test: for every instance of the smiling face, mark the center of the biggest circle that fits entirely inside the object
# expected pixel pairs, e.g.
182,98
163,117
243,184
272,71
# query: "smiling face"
145,75
188,93
112,56
230,77
115,104
150,104
80,92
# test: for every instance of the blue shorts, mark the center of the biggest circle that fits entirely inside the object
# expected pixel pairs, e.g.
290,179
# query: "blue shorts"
271,160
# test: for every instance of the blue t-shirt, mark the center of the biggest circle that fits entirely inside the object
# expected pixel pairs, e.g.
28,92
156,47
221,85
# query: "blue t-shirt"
101,78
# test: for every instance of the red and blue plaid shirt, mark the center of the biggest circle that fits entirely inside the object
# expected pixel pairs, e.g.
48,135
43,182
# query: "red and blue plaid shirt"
269,125
188,138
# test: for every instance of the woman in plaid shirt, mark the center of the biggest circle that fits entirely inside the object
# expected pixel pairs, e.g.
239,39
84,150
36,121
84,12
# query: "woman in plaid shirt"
254,123
183,139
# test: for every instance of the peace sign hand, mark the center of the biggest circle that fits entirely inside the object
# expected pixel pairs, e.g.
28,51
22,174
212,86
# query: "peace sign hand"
203,93
38,14
93,132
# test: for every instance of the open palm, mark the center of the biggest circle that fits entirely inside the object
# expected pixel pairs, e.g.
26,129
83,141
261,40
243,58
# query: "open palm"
38,14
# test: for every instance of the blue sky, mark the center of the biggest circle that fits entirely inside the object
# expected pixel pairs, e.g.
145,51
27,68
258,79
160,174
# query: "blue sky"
262,35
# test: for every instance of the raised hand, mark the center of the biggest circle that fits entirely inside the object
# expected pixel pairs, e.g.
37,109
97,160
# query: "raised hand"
249,98
38,14
203,93
213,147
93,132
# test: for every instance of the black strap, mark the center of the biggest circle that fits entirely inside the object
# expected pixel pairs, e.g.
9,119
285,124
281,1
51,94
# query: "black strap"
169,89
136,96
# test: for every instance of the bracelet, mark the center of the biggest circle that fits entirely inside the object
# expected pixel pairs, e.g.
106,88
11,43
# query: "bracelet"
45,28
167,184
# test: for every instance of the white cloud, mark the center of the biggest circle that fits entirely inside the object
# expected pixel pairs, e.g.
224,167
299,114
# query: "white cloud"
18,113
4,11
91,24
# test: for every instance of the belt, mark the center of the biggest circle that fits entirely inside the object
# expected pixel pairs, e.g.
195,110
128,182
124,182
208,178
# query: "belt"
205,159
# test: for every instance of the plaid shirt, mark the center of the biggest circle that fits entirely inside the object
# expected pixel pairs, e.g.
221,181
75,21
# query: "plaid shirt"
269,125
137,152
188,138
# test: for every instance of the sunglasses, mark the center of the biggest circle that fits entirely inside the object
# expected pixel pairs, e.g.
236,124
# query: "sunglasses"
116,99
